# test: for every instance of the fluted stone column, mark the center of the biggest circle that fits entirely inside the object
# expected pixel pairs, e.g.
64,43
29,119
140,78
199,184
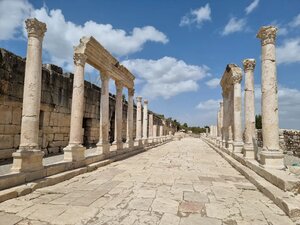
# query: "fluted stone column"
271,156
118,115
237,108
29,157
145,122
151,127
75,151
103,145
129,140
139,120
248,149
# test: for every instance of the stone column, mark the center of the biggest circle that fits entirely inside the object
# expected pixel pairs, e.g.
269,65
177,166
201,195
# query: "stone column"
118,115
161,130
151,127
129,140
248,149
75,151
29,157
103,145
271,156
145,122
225,122
237,108
155,133
206,131
138,120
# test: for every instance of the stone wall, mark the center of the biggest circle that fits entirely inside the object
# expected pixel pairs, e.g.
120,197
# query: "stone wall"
55,107
289,141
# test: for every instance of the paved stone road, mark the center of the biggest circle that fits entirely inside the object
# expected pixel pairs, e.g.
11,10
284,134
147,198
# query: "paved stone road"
182,182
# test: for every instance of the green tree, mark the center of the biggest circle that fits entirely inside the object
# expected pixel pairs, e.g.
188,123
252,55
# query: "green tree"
258,123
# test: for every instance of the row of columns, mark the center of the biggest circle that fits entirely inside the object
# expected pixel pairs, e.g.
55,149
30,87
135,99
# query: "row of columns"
29,156
271,156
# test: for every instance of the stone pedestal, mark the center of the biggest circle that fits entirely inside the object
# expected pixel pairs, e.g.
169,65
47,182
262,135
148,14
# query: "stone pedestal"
29,157
248,149
118,116
103,146
75,151
271,156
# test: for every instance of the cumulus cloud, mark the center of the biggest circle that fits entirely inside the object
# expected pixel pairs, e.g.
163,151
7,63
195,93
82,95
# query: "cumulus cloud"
60,39
234,25
196,16
289,51
166,77
12,16
213,83
251,7
62,35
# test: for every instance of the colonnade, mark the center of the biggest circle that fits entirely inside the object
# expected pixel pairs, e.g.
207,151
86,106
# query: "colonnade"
229,133
29,157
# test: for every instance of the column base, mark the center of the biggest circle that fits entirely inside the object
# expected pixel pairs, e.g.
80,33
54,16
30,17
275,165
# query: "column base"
129,144
145,141
238,147
117,145
271,159
248,151
229,146
27,161
74,153
103,148
138,142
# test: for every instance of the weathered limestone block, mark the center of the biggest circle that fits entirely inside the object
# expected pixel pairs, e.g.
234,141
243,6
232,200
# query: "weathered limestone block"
6,141
5,114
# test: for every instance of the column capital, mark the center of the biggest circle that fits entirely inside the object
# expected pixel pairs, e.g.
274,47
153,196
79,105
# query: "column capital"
35,28
79,59
236,78
249,64
145,101
139,98
267,34
119,85
131,91
104,77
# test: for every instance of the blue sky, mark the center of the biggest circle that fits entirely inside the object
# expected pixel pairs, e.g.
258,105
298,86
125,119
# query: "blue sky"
178,50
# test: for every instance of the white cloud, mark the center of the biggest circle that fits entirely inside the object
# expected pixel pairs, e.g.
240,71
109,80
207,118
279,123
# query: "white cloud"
289,51
211,105
166,77
197,16
251,7
295,22
62,35
12,16
213,83
234,25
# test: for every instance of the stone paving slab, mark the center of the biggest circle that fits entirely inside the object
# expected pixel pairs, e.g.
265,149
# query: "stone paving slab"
180,183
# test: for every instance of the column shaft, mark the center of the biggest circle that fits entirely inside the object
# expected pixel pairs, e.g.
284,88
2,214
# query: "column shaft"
118,115
138,118
237,108
145,120
130,118
103,144
248,149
